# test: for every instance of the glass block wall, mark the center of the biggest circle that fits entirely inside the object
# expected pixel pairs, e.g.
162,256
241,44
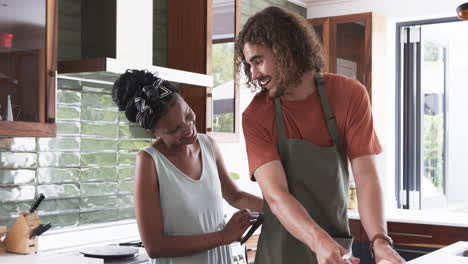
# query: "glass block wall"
86,172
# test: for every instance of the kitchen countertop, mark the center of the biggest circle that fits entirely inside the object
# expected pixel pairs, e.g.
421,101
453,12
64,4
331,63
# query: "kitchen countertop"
425,217
60,241
49,259
449,254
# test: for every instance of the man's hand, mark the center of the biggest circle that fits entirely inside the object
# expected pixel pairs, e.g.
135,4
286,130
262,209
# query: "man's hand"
329,251
383,250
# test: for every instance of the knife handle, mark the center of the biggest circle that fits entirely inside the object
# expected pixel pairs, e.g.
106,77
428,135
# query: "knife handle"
252,229
36,203
43,229
36,230
39,230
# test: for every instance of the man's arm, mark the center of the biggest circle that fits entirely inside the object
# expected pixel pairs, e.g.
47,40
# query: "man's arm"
293,216
370,200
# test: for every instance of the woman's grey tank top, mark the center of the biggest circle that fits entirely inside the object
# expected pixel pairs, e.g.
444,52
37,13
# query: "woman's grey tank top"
191,207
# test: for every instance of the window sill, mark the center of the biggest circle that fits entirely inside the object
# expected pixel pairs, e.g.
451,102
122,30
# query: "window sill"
75,238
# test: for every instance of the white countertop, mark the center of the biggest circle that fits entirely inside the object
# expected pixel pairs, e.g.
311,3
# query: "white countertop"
49,259
426,217
74,238
60,246
448,254
60,241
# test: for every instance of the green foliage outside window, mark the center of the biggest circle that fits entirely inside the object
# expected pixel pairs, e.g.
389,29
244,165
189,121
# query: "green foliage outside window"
434,150
223,72
223,62
434,134
223,122
234,175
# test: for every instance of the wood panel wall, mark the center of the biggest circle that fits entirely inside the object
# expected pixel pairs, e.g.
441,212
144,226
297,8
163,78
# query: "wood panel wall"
189,48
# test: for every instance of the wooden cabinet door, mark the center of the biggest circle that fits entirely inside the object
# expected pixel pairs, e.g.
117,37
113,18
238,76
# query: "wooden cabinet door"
189,48
347,45
321,27
351,46
28,65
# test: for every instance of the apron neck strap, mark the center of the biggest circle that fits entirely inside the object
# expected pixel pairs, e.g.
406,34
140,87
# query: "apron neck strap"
328,114
280,129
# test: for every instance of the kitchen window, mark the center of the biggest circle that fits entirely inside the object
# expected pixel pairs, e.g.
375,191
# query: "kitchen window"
223,102
224,86
432,148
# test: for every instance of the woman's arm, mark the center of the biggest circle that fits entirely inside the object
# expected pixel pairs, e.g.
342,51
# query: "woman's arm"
150,225
231,193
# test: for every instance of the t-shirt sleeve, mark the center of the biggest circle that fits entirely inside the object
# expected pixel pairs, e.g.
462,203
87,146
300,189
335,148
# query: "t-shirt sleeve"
259,144
361,138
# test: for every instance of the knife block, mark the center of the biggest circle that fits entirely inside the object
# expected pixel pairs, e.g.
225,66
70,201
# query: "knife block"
3,230
17,239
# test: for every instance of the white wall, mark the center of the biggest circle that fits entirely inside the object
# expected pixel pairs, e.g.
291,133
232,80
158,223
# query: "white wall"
135,31
402,9
457,115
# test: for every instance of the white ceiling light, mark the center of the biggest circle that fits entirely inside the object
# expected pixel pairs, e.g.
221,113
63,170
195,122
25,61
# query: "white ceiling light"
307,3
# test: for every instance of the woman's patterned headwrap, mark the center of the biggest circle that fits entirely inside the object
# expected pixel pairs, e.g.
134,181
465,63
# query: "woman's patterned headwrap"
144,102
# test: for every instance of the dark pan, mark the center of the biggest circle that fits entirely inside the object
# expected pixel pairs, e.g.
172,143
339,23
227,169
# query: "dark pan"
110,252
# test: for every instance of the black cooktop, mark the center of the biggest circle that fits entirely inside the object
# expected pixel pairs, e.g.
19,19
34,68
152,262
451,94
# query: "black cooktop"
139,258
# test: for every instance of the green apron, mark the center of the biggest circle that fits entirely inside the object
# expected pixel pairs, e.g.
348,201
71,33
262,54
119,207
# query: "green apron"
318,178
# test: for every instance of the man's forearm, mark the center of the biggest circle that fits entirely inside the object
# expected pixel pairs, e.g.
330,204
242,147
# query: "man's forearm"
294,217
371,211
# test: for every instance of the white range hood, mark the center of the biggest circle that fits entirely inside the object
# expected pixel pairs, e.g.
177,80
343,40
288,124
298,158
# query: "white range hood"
107,70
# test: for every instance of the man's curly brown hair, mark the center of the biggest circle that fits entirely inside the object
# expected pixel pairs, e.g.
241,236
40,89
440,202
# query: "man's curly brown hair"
293,41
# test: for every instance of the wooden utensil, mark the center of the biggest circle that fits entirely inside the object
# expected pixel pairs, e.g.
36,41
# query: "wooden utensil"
18,238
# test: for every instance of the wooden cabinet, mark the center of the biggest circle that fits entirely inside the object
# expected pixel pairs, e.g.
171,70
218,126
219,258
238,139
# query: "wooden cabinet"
411,240
353,45
28,49
426,235
416,234
189,47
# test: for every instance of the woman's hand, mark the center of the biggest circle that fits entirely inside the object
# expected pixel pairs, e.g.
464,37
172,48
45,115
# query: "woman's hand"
238,224
330,252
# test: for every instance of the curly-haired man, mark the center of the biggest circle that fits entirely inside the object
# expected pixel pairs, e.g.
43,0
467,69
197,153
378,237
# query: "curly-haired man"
300,130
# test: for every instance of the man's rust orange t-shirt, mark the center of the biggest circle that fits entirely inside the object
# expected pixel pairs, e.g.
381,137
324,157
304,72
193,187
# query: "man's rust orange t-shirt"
304,119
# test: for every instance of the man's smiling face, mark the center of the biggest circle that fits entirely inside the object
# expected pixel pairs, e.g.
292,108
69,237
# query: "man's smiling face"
263,68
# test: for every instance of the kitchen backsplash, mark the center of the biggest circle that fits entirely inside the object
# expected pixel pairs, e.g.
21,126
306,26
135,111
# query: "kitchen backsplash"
86,172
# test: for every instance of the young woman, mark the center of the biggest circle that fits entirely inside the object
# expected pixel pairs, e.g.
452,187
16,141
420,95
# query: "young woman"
180,179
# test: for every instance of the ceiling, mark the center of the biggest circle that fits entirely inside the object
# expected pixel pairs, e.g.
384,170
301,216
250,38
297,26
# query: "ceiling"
12,12
307,3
